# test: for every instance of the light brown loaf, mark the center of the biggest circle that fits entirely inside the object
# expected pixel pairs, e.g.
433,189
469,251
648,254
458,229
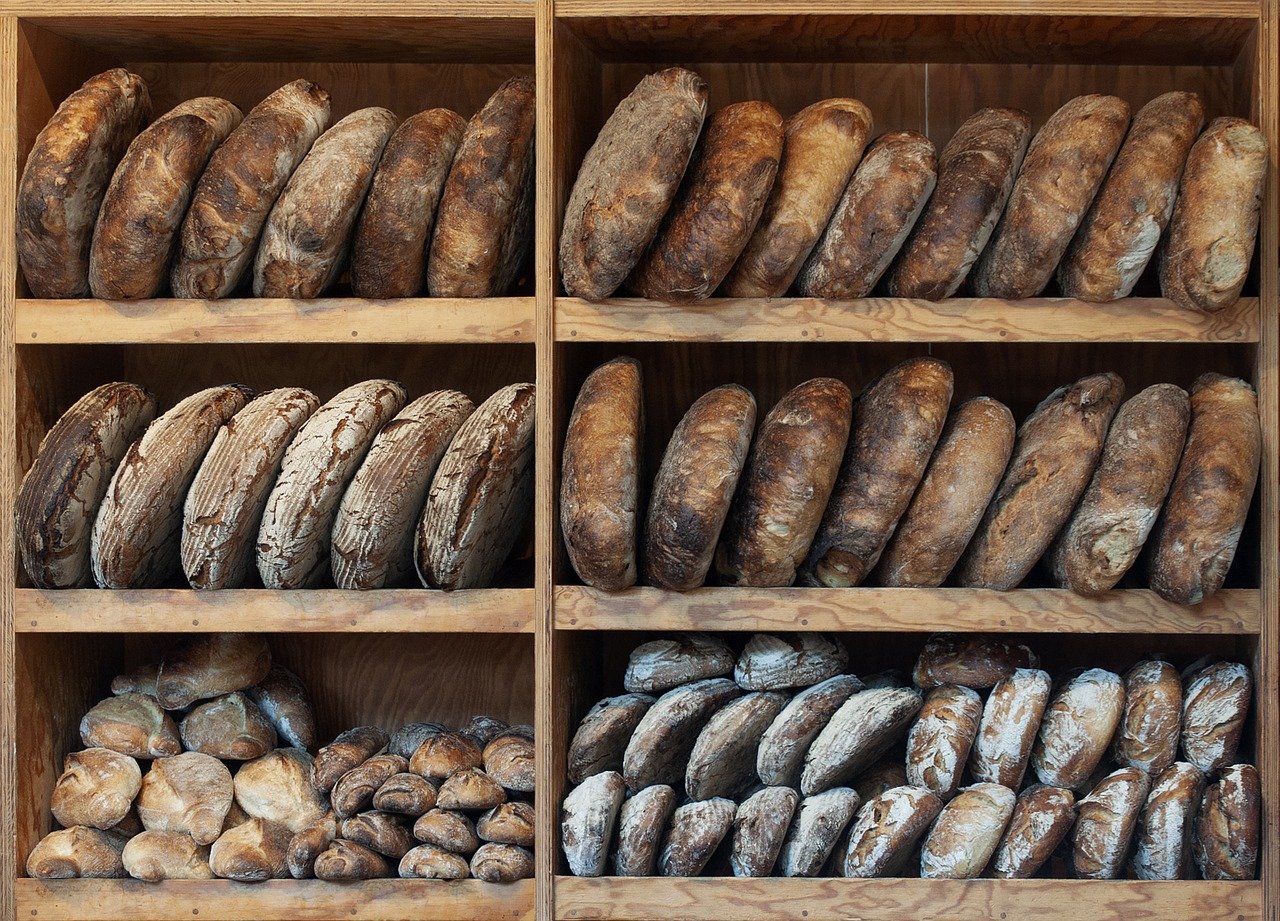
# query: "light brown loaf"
508,823
382,832
211,665
1077,728
759,829
1163,846
230,727
658,751
662,664
251,852
347,861
641,823
277,787
587,820
940,739
822,144
429,862
470,789
1213,713
354,791
190,793
501,863
350,749
310,843
603,735
1227,829
1041,819
405,794
723,760
862,730
1119,234
696,831
131,724
78,852
1147,737
1007,731
1105,823
969,661
509,759
967,832
446,829
154,856
282,697
771,662
818,824
886,830
780,757
97,787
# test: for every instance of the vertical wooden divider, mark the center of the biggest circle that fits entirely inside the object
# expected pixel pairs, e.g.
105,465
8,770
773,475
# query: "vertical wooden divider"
8,473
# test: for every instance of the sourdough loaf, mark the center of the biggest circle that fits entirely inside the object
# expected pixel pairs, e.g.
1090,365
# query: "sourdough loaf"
587,820
969,661
641,823
862,730
1152,722
1227,828
886,830
941,737
1213,713
159,855
189,793
282,697
662,664
658,751
210,665
1077,728
97,787
131,724
967,832
1105,823
723,759
1163,847
1041,818
1010,720
773,661
780,757
696,831
229,727
759,829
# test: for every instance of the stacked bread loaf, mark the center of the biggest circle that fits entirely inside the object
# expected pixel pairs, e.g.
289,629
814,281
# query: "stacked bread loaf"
775,761
207,201
752,205
365,488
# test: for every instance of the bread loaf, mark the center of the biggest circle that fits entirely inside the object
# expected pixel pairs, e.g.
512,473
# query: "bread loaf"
885,774
78,852
780,757
277,787
896,423
154,856
310,843
509,759
350,749
886,830
641,823
282,697
1008,728
1196,537
603,735
1228,825
600,474
501,863
347,861
969,661
140,680
1152,722
484,224
862,730
131,724
230,727
759,829
408,738
239,187
628,180
507,823
967,832
723,760
442,754
587,819
470,789
1119,234
940,739
482,729
818,824
822,145
1163,848
659,748
405,794
382,832
190,793
443,828
426,861
355,789
1105,824
1077,728
96,788
211,665
1041,818
1213,714
136,233
1060,175
66,175
662,664
696,831
775,661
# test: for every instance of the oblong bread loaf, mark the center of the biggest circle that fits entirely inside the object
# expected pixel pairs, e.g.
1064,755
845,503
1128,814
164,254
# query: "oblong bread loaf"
966,832
1147,737
760,828
662,664
1041,818
862,730
587,819
1227,829
818,824
641,823
1010,720
1163,846
602,736
723,760
1077,728
780,757
885,831
939,742
1105,823
659,748
771,662
696,831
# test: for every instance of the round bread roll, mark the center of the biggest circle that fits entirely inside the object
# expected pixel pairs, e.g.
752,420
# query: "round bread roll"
509,823
426,861
971,661
1008,728
966,832
941,737
509,759
641,823
277,787
347,861
1213,714
443,754
1105,824
1041,819
1228,825
382,832
230,727
760,828
1152,723
696,831
78,852
405,794
1077,728
154,856
448,830
501,863
1163,848
886,830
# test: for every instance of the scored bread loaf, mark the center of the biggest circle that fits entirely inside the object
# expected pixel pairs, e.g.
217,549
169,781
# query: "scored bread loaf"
230,727
277,787
159,855
382,832
641,823
886,830
759,829
426,861
969,661
78,852
723,759
862,730
967,832
480,729
1041,818
470,789
408,738
345,861
97,787
131,724
446,829
252,852
662,664
189,793
775,661
211,665
939,742
350,749
658,751
1225,844
1163,848
1213,714
282,697
1007,731
1077,728
502,863
1105,823
354,791
780,757
405,794
508,823
885,774
1147,737
310,843
818,824
696,831
587,820
509,759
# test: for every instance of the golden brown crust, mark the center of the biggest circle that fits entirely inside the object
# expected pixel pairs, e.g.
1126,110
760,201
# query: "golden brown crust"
352,748
1147,737
1041,819
1228,826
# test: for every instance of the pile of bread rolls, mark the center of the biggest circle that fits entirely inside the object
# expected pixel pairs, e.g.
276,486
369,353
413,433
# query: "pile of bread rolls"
896,488
752,205
366,488
776,762
204,199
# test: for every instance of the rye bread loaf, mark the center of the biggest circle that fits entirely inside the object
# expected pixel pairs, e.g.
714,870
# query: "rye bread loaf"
641,823
1163,839
1119,234
426,861
873,217
658,750
229,727
237,190
864,728
484,223
480,729
1055,455
1147,737
62,490
131,724
389,247
1110,525
886,830
190,793
969,661
510,760
1105,823
600,475
696,831
1209,247
407,739
348,750
481,495
78,852
374,529
354,791
967,832
224,505
939,742
1077,728
210,665
97,787
1007,731
694,487
717,206
154,856
976,171
310,843
789,473
896,423
723,759
587,820
822,144
662,664
771,662
1228,826
501,863
1196,536
283,699
962,475
1041,818
252,852
819,822
628,180
66,176
759,829
1213,714
382,832
508,823
1060,175
780,757
137,534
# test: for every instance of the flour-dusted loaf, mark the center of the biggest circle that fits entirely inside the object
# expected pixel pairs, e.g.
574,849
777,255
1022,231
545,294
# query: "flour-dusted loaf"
310,843
967,832
873,217
1060,176
484,223
1118,236
1055,455
1105,822
603,734
969,661
131,724
789,473
1077,728
1228,826
373,531
97,787
501,863
447,829
976,171
662,664
772,661
210,665
350,749
1162,849
382,832
587,820
717,206
137,533
939,742
696,831
641,823
694,487
1196,537
406,794
224,505
1118,510
862,730
886,830
242,182
190,793
822,145
154,856
470,789
819,822
277,787
78,852
896,423
1147,737
348,861
66,176
628,180
1209,246
62,490
283,699
659,748
426,861
760,827
481,496
507,823
1213,714
1007,731
780,757
962,475
600,475
723,760
354,791
229,727
389,246
509,759
252,852
1041,818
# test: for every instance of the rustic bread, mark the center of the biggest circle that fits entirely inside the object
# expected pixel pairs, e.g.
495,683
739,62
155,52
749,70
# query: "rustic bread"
282,697
237,190
406,740
1152,722
277,787
1105,823
406,794
663,664
501,863
659,748
1119,233
442,754
96,788
426,861
723,760
863,729
444,828
131,724
1077,728
66,175
1010,721
347,751
507,823
641,823
382,832
509,759
230,727
1041,819
211,665
346,861
154,856
190,793
885,774
139,680
470,789
1213,714
483,729
310,843
355,789
819,822
969,661
760,827
78,852
695,833
603,734
886,830
771,662
1163,848
939,742
780,757
1228,825
587,819
966,832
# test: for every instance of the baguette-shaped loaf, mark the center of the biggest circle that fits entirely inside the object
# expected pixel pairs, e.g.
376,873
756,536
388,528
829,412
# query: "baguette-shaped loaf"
967,832
131,724
587,820
1077,728
819,822
1008,728
771,662
641,824
159,855
939,742
1105,823
659,748
1041,819
886,830
1213,714
78,852
969,661
1228,825
723,760
97,787
1147,737
696,831
780,757
1163,847
660,665
603,734
862,730
760,828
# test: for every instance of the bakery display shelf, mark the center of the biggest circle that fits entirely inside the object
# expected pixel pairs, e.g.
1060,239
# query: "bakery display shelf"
891,319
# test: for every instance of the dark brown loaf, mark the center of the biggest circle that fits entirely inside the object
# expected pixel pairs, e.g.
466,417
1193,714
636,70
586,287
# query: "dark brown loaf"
694,487
885,831
405,794
308,844
502,863
1228,825
659,748
818,824
1054,456
600,475
864,728
1196,537
717,206
1060,175
446,829
822,145
962,475
976,171
967,832
1105,823
1008,728
237,190
1152,722
508,823
696,831
1163,848
210,665
587,820
443,754
780,757
426,861
877,211
641,823
628,179
969,661
1041,819
66,175
389,248
789,474
1077,728
351,748
723,760
383,832
509,759
1119,234
347,861
662,664
941,737
896,423
1213,714
355,789
760,828
1207,252
771,662
603,735
283,699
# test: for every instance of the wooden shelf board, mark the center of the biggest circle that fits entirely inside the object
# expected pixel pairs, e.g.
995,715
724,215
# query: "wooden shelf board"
727,899
885,319
282,900
411,610
328,320
904,610
1208,9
